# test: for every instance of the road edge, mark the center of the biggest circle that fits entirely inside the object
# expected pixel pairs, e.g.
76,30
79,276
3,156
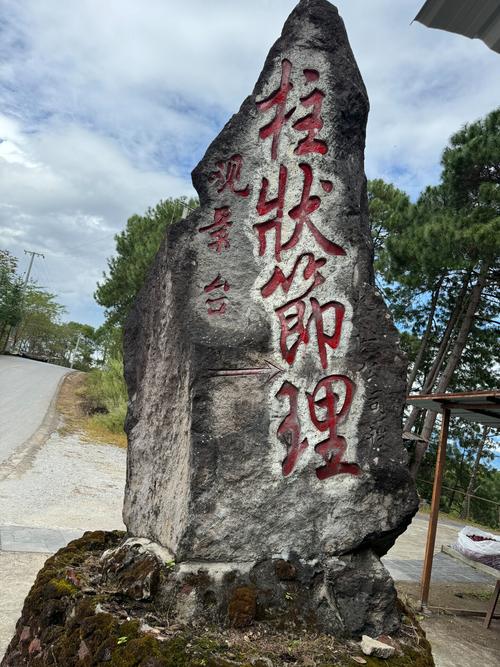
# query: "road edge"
22,457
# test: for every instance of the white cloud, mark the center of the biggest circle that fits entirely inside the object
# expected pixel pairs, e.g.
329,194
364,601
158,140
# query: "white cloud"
108,106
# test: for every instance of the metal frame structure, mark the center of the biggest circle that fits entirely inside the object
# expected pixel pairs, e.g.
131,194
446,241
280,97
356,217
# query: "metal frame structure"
482,407
477,19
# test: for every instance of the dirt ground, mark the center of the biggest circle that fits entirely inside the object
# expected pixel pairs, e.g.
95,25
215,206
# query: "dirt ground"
75,411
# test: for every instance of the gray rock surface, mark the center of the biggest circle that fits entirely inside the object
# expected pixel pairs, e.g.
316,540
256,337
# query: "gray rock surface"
265,377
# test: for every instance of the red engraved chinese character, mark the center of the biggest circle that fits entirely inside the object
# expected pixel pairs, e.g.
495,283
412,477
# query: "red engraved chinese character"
289,429
291,319
278,99
219,229
228,175
292,326
333,448
217,283
310,270
300,214
312,124
216,304
323,339
265,206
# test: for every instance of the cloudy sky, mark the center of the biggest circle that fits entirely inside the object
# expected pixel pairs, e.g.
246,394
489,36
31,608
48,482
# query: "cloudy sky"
107,106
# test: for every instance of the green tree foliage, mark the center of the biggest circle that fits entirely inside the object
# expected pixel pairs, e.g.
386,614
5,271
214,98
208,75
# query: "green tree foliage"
438,265
468,470
10,296
31,323
388,208
136,247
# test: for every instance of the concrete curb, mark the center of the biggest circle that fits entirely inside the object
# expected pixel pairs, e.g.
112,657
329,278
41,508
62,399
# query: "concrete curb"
21,458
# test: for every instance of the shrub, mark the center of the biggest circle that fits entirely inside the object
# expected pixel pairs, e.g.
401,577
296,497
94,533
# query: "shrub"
106,395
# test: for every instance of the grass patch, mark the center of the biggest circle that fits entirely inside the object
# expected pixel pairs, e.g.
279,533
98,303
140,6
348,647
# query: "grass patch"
79,414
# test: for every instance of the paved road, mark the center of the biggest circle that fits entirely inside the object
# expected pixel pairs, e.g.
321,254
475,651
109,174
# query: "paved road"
26,390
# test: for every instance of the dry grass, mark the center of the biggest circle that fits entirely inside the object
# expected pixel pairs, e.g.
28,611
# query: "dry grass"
71,405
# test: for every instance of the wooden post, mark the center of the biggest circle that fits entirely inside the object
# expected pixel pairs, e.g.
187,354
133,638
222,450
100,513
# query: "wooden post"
493,604
433,518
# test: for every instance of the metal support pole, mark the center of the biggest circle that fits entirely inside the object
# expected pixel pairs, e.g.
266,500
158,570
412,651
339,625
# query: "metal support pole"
25,283
433,518
73,354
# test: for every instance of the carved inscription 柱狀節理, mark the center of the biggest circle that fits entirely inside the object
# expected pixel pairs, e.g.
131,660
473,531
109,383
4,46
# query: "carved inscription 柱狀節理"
304,316
303,319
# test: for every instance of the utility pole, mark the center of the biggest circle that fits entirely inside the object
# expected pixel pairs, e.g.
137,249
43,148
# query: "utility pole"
75,350
26,279
30,266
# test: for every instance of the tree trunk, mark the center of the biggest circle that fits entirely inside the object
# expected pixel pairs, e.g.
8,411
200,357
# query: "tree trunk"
442,350
2,334
6,341
464,514
425,338
457,482
452,363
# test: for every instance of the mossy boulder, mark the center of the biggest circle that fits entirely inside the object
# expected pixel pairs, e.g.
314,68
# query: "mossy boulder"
75,615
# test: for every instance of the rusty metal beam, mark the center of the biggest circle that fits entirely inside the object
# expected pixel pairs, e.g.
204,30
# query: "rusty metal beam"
471,406
433,518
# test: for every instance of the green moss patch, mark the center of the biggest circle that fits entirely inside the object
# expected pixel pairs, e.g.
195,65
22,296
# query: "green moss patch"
70,618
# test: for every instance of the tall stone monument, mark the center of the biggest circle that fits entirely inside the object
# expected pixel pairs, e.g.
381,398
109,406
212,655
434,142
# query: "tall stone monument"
265,377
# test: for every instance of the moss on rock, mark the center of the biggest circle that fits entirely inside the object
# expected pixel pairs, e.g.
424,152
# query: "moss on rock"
72,618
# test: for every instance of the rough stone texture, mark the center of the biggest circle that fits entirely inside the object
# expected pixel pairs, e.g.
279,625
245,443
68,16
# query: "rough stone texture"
344,596
76,615
234,469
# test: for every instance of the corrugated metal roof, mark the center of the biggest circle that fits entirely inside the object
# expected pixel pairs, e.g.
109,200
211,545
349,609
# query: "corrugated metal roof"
473,18
482,407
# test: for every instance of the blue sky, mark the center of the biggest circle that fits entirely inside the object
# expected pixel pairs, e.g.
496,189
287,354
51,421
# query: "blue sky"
107,107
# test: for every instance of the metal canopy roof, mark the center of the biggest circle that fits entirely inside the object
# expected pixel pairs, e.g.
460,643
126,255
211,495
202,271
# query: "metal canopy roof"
482,407
472,18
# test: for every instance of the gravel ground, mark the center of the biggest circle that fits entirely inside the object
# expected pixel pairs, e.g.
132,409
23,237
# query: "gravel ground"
71,484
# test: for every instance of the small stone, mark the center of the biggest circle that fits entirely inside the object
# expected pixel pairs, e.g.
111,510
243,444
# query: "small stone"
83,651
25,634
359,659
262,661
73,577
35,646
107,655
371,646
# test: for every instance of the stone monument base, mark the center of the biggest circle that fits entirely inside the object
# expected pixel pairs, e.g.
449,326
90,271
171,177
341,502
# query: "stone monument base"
108,600
346,596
